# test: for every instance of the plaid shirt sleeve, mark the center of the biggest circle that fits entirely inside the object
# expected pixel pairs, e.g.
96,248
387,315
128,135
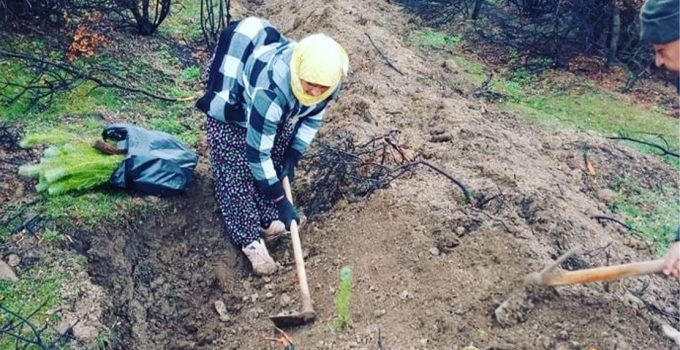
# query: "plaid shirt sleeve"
306,131
265,116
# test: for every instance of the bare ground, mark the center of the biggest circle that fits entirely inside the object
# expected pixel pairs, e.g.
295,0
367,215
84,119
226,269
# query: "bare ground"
429,270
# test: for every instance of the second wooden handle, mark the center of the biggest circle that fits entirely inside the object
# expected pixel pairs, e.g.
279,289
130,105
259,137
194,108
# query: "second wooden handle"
606,273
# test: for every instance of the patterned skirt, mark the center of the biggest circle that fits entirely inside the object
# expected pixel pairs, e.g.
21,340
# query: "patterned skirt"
245,209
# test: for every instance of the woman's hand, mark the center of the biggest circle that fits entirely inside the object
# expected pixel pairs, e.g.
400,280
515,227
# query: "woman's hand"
290,160
672,265
287,212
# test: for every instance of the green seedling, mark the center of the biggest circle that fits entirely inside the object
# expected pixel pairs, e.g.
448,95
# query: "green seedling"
69,164
343,299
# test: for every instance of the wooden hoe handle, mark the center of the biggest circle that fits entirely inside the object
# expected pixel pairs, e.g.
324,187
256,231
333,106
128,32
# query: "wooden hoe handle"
299,260
605,273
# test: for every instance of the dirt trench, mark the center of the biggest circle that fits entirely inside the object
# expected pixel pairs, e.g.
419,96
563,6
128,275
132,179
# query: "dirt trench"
163,272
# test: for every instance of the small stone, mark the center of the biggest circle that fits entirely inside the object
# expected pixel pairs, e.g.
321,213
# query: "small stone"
606,195
379,313
269,295
405,295
460,230
152,199
255,310
633,301
246,285
13,260
574,162
547,343
269,286
6,272
64,325
563,335
284,300
266,279
352,345
423,341
53,311
254,297
222,311
434,251
459,310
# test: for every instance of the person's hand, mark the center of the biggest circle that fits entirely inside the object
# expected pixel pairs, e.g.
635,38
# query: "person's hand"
288,170
290,160
287,212
672,265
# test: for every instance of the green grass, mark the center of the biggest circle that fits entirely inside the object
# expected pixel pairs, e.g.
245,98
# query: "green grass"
429,38
36,286
184,20
446,46
191,73
50,236
107,339
593,110
471,69
89,209
652,212
80,101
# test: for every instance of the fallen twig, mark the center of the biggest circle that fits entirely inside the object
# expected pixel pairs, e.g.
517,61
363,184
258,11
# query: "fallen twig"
666,152
466,193
632,230
604,249
601,219
387,60
493,218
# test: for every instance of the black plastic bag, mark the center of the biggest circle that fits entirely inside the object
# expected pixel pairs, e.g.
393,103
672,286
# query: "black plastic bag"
156,162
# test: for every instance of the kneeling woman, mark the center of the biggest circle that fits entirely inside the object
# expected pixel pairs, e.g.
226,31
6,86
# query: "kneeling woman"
265,101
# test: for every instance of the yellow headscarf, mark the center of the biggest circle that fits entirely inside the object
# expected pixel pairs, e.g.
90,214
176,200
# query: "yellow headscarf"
317,59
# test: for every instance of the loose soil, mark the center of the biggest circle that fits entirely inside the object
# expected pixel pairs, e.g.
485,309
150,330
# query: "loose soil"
429,270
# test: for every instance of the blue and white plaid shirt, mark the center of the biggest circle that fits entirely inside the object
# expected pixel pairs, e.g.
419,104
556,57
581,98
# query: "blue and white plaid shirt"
249,84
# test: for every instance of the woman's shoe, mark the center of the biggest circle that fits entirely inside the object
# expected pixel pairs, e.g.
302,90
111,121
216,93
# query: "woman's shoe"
259,257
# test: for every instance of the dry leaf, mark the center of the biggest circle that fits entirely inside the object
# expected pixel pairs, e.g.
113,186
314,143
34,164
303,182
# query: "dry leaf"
591,168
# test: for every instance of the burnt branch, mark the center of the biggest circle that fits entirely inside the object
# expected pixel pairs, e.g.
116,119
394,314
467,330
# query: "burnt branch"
213,20
350,171
387,60
602,219
147,16
664,150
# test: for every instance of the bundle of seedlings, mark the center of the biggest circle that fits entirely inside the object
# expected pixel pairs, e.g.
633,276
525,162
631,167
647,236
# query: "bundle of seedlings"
70,163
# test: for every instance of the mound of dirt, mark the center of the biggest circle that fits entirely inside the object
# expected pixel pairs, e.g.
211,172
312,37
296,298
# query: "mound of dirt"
430,270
